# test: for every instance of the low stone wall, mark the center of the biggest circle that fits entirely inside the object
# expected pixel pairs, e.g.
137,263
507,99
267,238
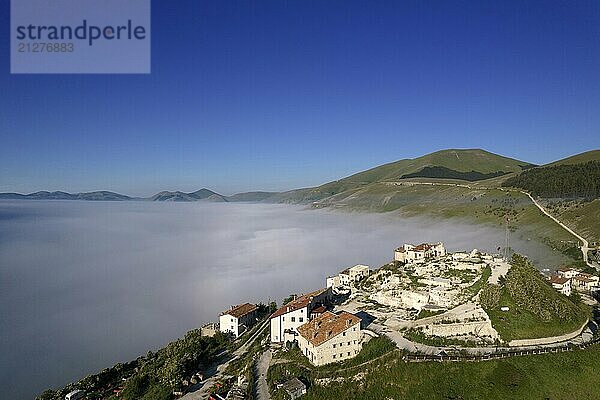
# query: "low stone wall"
548,340
476,328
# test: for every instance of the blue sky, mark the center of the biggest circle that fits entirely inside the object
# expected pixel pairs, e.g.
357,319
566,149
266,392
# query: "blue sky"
277,95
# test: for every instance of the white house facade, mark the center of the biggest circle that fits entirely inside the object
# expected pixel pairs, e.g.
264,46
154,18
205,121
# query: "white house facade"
238,319
349,276
561,284
417,254
286,320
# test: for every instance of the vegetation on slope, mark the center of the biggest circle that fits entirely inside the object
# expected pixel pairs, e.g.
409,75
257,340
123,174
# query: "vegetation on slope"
577,180
461,160
154,376
582,216
447,173
570,375
458,160
293,364
592,155
535,308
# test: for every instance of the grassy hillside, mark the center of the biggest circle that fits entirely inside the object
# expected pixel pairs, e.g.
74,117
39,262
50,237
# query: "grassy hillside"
583,216
477,204
383,189
564,180
460,160
153,376
251,196
592,155
455,165
568,376
535,308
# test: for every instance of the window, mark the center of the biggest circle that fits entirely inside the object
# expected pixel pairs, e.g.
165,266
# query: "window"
354,329
301,319
343,333
348,343
334,345
355,342
334,356
232,320
348,354
283,318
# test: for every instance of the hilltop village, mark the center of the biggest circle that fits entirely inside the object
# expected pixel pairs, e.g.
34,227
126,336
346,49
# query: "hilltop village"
421,280
427,302
425,294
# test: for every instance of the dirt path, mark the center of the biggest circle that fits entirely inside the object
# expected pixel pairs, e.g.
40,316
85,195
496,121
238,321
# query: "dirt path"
585,245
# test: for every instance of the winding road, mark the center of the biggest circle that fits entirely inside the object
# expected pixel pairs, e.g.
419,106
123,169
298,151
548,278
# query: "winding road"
585,245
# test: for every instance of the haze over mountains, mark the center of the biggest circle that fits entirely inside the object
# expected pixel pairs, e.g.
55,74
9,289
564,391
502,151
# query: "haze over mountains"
470,165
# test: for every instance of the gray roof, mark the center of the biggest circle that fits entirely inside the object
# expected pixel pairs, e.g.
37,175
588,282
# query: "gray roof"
293,385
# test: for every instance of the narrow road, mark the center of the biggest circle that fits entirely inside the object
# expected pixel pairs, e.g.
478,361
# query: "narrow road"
585,244
584,247
261,367
202,390
401,342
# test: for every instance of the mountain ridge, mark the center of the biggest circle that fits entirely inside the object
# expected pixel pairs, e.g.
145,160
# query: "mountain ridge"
450,164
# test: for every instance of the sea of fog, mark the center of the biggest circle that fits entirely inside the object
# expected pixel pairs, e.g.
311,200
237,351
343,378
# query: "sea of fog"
84,285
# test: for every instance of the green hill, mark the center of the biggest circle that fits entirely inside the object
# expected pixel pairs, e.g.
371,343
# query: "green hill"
592,155
251,196
459,160
580,180
535,308
457,164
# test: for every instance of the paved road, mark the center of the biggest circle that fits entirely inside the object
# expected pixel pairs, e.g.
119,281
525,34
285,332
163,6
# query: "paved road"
413,347
202,390
261,368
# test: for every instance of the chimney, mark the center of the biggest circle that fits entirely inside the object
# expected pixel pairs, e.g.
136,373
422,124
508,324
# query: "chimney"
348,322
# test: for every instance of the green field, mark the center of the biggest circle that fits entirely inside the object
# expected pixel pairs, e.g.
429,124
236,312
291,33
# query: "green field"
570,375
519,323
535,308
582,216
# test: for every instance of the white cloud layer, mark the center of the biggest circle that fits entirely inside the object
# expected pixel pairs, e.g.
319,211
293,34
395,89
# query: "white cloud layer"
86,284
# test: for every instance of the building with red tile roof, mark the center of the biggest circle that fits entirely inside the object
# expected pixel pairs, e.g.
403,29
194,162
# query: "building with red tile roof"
286,320
330,337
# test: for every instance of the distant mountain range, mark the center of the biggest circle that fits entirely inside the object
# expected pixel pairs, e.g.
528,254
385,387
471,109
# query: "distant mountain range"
469,165
45,195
